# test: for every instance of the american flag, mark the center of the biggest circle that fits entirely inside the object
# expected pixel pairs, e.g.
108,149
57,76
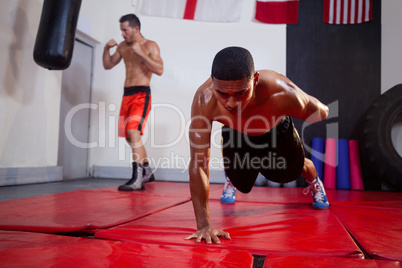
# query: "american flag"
347,11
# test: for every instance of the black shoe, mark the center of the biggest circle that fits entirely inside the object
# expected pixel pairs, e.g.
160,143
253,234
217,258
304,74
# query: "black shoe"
137,181
148,175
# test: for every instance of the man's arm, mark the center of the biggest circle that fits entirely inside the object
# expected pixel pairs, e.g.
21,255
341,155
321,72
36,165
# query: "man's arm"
152,59
295,102
109,61
200,132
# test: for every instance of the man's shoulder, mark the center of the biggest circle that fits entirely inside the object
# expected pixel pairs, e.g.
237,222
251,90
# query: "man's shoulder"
150,43
204,98
122,45
205,89
267,74
268,81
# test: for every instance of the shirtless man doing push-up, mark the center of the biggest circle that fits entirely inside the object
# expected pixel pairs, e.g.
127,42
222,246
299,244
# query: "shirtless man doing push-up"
256,109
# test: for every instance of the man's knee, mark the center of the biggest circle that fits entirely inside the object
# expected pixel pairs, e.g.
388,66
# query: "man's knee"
243,182
308,165
133,136
309,170
245,190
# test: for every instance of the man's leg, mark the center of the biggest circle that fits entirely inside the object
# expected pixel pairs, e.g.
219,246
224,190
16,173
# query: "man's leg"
140,154
138,150
320,200
141,169
237,160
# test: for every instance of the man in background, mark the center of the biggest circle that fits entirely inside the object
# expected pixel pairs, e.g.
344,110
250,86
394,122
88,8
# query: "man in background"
142,59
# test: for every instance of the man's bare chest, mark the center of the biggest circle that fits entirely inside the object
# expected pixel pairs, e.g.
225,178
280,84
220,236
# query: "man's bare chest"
254,123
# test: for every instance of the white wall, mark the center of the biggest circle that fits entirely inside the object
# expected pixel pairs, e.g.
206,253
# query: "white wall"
187,49
29,94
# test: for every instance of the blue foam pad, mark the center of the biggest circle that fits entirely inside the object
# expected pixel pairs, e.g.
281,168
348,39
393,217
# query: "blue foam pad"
343,168
317,155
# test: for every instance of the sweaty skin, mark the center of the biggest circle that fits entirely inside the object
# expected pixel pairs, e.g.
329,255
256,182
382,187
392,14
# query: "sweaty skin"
252,106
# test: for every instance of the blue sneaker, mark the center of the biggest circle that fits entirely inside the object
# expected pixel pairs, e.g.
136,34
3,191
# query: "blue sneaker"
320,200
228,194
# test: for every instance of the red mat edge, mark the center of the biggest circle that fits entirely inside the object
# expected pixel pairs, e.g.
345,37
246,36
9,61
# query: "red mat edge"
89,228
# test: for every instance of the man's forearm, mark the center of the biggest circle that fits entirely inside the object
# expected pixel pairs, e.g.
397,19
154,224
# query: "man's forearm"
106,58
199,189
155,66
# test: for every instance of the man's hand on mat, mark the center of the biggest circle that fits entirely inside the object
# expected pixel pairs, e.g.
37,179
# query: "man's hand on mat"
209,234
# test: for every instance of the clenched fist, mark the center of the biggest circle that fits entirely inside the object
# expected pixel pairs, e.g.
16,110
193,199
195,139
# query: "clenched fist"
111,43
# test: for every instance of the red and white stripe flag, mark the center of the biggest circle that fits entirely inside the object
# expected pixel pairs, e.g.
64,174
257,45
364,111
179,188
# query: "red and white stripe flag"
277,11
200,10
347,11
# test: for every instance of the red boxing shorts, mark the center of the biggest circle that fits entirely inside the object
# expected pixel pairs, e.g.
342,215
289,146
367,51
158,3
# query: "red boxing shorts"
134,109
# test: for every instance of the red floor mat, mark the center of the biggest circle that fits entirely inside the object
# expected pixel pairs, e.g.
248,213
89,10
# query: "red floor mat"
378,231
259,228
23,249
80,210
296,196
304,262
362,196
393,205
267,220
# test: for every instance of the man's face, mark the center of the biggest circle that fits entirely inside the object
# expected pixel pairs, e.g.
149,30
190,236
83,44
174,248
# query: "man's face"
127,32
234,95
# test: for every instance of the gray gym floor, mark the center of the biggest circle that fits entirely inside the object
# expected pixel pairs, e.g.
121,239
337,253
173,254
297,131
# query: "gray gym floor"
39,189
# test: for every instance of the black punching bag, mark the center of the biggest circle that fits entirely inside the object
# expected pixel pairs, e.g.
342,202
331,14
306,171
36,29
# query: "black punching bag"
56,33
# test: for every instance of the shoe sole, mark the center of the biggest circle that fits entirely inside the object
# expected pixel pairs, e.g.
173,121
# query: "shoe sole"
230,203
320,208
152,178
129,189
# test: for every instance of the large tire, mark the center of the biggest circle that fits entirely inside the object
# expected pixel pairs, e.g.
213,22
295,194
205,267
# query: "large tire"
378,148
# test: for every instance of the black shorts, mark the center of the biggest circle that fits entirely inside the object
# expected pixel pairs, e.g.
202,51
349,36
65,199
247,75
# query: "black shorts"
278,155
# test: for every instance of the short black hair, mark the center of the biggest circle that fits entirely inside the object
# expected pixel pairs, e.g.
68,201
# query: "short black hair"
233,63
132,19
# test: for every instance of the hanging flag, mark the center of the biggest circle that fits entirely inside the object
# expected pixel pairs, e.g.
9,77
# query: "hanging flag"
200,10
277,11
347,11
